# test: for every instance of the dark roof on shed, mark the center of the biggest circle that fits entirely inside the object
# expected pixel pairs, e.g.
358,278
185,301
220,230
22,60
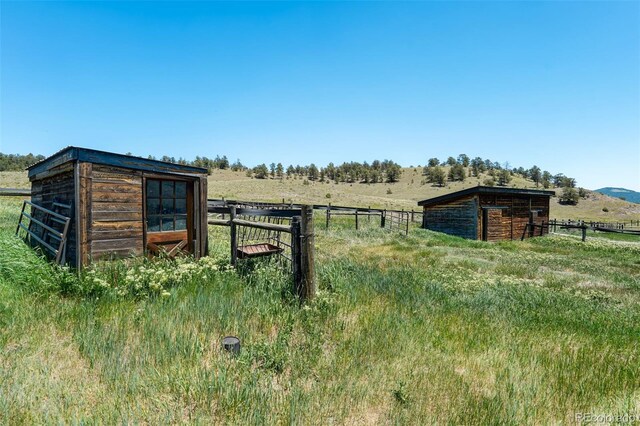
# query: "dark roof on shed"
484,190
72,153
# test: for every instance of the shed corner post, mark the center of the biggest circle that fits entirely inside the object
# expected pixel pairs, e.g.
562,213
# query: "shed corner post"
82,211
204,217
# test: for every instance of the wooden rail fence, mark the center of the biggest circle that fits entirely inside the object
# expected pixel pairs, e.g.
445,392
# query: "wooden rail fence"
554,225
300,228
389,219
14,192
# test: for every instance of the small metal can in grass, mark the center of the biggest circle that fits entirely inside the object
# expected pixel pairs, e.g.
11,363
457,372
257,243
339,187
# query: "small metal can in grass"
231,344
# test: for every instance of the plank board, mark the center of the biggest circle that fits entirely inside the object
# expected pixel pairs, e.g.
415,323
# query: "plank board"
111,226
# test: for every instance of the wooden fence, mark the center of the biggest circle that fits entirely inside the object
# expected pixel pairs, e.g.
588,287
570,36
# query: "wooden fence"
14,192
554,225
601,225
389,219
258,232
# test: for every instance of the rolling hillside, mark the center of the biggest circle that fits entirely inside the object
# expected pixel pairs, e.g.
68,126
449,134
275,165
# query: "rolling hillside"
400,195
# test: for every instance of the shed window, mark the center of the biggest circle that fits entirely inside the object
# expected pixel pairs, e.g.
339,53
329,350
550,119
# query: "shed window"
166,205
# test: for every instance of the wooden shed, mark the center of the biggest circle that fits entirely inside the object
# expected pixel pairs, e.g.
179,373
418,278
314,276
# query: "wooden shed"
487,213
121,205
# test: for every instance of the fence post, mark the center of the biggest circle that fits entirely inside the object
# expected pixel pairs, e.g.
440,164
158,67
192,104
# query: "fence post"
531,228
296,252
407,231
584,233
369,216
234,239
356,218
383,213
307,287
328,215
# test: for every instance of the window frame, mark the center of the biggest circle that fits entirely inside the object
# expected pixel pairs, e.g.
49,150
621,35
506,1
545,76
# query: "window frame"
161,198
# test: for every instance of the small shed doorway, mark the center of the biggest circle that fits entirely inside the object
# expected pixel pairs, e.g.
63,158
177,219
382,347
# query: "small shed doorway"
169,215
493,226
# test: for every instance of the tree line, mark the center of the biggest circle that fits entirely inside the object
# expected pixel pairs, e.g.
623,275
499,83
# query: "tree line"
375,172
352,172
497,174
17,162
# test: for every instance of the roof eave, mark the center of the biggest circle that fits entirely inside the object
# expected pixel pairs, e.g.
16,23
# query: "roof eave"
483,190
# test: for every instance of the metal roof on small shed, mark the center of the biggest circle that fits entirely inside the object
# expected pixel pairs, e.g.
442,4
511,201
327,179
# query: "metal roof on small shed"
73,153
484,190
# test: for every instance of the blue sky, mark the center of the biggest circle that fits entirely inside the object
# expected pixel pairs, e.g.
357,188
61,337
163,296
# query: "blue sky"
556,84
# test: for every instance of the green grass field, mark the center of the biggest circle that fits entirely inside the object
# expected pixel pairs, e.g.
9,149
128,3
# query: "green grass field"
405,330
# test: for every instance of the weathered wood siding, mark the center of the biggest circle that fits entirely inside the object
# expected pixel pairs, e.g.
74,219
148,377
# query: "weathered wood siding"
499,225
510,221
57,186
458,217
114,212
106,192
541,206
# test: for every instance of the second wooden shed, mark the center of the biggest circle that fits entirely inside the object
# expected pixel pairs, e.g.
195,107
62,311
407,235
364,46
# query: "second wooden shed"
487,213
121,205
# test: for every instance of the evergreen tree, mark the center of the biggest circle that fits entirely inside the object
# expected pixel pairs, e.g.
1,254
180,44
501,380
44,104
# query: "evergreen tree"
290,171
456,173
569,196
464,160
546,179
436,175
504,177
261,171
393,173
313,172
433,162
536,175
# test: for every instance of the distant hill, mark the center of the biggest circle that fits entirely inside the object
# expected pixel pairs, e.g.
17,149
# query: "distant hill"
627,194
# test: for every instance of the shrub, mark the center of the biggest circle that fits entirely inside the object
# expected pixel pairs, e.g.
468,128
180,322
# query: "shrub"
606,210
582,193
569,196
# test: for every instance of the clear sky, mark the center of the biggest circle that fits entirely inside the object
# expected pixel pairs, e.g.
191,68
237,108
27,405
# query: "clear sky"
555,84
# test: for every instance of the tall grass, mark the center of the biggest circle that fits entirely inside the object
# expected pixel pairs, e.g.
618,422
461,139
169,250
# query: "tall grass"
409,330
